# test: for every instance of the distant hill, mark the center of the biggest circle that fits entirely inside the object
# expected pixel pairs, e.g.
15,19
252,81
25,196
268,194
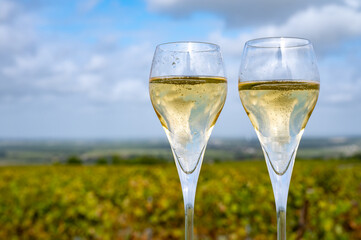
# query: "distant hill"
15,152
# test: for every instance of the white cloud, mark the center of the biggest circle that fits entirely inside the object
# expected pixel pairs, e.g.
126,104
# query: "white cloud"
7,9
326,27
96,63
238,13
16,29
88,5
130,89
353,3
34,66
100,77
341,82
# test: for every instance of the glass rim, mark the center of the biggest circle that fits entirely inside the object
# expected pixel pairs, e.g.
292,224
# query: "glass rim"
289,42
212,47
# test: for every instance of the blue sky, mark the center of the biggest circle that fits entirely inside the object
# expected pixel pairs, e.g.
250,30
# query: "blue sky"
79,69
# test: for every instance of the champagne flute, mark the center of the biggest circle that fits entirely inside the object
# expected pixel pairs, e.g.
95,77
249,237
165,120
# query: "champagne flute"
278,87
188,89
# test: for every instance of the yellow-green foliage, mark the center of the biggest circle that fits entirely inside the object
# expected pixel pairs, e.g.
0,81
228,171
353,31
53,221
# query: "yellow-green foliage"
233,201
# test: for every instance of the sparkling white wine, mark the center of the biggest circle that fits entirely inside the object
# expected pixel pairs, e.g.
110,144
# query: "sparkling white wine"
279,111
188,108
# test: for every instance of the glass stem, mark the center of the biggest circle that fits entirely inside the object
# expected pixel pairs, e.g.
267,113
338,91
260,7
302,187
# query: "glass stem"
189,185
280,185
189,196
281,224
189,212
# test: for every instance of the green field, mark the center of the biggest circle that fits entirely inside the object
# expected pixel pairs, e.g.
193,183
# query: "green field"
233,201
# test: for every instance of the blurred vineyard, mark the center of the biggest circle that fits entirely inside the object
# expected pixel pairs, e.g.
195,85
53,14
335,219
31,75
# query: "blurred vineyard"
233,201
